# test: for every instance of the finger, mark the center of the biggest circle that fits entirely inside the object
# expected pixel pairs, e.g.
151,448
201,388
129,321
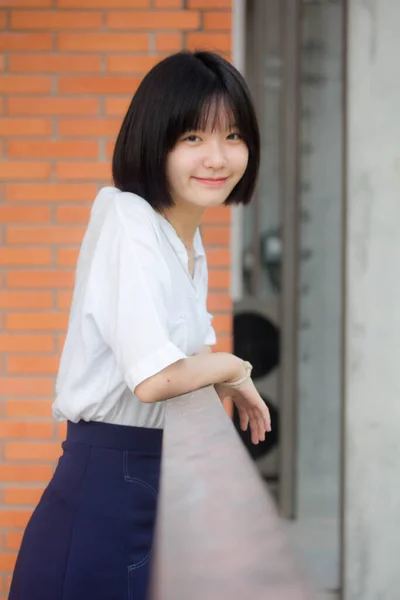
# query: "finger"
254,429
266,418
261,426
244,419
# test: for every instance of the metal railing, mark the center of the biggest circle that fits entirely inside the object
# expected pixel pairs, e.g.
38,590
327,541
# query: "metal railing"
218,535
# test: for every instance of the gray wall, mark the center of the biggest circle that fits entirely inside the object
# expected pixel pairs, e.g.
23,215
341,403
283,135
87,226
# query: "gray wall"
320,298
372,362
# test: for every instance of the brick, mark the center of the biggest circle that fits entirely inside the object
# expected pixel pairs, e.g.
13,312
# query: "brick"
52,149
44,235
218,214
26,343
209,3
18,42
67,257
40,279
13,518
24,214
84,171
50,192
19,256
25,299
25,430
27,409
24,170
116,106
222,323
29,365
18,127
1,106
24,473
103,42
110,149
64,300
167,3
219,257
27,386
62,431
88,127
218,236
151,20
46,451
53,63
103,3
98,85
52,106
219,42
2,26
37,321
7,560
21,84
218,279
219,302
131,64
55,19
14,538
169,42
224,344
73,214
61,341
26,3
217,21
21,495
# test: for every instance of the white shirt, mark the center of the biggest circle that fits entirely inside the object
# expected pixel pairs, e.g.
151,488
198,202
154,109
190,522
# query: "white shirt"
135,310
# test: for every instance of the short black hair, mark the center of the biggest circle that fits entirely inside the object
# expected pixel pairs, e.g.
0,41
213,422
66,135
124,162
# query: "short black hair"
174,97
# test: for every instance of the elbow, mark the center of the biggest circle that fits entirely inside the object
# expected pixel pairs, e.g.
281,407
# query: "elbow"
143,392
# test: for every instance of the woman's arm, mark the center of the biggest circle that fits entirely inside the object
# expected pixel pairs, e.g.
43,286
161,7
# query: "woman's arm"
219,369
190,374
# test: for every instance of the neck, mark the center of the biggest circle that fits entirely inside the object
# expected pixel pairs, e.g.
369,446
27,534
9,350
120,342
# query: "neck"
185,221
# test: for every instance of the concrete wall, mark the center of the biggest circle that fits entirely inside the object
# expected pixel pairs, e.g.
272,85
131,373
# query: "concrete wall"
321,84
372,361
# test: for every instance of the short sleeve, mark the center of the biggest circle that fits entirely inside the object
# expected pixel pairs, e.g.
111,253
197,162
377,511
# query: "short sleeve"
211,338
132,282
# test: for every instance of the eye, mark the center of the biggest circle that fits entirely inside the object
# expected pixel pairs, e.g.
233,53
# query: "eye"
192,138
234,136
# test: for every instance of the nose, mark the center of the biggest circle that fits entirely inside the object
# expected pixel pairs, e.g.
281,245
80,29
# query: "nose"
214,157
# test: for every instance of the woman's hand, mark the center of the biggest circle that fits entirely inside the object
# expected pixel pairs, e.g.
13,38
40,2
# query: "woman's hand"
251,408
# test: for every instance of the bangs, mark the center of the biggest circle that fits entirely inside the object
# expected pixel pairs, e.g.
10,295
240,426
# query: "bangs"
215,112
206,104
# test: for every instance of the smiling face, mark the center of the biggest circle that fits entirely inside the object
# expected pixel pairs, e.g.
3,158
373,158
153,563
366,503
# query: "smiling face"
204,166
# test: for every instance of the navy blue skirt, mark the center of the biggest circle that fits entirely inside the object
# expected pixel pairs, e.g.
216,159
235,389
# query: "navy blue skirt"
91,535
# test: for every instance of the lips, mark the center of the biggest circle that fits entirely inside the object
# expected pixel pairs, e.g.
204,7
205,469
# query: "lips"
211,181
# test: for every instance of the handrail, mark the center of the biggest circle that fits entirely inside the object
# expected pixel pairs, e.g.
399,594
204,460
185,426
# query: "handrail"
218,535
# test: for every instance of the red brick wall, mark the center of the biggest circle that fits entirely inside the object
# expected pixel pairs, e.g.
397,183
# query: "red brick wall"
67,72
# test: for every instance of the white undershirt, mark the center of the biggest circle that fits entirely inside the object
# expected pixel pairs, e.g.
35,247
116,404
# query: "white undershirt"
135,310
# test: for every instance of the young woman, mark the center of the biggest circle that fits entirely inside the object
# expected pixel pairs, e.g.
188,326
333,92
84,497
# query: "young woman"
139,332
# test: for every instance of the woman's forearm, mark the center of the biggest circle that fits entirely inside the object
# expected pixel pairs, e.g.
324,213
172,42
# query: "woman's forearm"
190,374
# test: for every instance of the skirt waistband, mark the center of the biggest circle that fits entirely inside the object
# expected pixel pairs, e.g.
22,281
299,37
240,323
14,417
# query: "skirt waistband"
117,437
